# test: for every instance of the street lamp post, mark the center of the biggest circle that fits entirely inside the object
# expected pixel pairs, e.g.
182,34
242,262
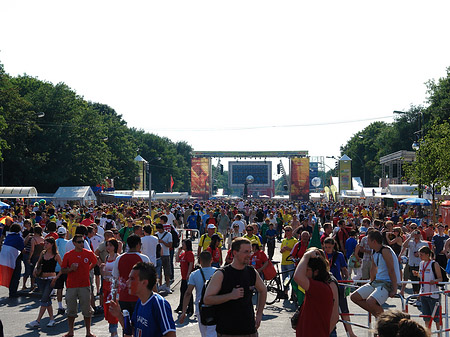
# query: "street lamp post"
149,174
364,169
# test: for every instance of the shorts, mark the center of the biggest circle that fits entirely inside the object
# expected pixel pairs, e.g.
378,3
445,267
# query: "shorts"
406,273
158,267
96,270
343,305
428,304
376,290
61,281
82,294
166,266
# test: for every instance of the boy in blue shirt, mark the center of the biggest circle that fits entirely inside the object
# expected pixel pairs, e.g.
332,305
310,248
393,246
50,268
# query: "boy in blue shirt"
152,315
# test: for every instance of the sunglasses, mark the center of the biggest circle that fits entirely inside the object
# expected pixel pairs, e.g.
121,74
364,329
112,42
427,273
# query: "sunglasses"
79,241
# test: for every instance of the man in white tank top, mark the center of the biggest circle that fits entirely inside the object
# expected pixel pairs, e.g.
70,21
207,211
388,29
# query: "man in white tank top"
384,276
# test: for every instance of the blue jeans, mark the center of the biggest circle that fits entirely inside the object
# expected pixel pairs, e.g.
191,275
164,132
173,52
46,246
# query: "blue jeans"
158,268
287,275
46,288
28,266
112,328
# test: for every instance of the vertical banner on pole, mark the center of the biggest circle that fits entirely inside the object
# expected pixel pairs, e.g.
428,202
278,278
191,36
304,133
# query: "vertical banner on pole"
299,173
140,179
200,177
345,173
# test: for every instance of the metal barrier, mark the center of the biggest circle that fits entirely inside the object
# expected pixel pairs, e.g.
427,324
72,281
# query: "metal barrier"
405,302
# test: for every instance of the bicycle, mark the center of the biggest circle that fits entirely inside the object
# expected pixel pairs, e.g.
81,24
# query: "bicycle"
276,288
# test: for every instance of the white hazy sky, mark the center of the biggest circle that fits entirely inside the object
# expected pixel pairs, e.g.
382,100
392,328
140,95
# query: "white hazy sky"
235,75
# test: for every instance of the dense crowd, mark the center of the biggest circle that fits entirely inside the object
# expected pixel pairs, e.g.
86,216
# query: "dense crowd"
116,258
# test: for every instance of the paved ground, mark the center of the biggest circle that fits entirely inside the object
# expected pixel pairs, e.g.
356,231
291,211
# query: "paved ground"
15,313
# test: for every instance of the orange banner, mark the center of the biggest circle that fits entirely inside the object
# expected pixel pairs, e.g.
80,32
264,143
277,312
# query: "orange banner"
200,177
299,179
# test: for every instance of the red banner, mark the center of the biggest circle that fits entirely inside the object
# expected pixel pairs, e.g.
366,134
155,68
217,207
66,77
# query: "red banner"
200,177
299,179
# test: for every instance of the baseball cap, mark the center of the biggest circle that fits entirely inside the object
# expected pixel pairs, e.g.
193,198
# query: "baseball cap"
211,226
61,230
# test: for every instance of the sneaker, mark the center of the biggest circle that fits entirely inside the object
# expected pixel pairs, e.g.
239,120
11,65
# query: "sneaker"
34,324
164,288
61,311
51,324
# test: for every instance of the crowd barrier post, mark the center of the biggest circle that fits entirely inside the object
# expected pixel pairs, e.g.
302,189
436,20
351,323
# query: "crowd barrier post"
182,232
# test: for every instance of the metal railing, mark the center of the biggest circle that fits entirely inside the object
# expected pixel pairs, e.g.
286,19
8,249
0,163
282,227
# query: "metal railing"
443,315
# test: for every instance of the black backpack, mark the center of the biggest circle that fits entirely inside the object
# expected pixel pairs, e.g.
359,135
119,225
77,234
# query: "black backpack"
158,246
443,272
207,312
175,237
108,225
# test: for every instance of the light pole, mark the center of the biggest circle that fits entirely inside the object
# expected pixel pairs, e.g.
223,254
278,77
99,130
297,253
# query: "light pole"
149,174
364,169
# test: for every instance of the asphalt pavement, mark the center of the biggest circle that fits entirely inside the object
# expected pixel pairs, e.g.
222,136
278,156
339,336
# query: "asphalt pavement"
16,312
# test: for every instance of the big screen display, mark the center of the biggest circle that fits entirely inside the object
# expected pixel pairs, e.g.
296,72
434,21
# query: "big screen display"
239,171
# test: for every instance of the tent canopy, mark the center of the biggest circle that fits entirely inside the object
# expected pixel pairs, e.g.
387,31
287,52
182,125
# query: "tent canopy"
74,193
83,194
18,192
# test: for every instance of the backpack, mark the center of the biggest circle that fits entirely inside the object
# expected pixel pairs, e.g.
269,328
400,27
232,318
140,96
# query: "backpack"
175,237
108,225
443,272
158,247
345,237
207,312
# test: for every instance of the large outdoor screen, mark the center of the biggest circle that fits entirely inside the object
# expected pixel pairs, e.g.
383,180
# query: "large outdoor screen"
239,171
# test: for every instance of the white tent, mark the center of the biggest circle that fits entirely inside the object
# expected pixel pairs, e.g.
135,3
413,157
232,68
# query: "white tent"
18,192
82,194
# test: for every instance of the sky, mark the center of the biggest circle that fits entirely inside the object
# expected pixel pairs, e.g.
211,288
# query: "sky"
236,75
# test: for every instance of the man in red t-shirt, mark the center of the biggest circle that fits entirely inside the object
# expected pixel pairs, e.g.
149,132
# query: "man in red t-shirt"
51,230
122,268
87,220
77,264
300,247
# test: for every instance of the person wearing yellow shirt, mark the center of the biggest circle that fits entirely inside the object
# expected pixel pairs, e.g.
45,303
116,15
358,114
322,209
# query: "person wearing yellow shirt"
287,267
252,237
205,239
71,226
287,218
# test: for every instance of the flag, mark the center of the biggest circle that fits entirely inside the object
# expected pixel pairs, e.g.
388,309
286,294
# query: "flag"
11,249
315,239
171,183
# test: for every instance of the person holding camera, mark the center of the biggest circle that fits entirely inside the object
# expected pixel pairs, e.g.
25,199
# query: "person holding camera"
413,243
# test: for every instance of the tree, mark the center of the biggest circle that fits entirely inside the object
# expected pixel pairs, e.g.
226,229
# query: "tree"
432,165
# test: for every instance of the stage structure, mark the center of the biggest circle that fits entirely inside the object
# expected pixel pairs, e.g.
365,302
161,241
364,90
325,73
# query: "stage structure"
299,177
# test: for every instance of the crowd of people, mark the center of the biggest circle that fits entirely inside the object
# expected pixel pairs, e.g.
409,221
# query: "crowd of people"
116,258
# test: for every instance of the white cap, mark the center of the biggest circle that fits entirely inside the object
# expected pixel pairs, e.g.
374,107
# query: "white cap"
211,226
61,230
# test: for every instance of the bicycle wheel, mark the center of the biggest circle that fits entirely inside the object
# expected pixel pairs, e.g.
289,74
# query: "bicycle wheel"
273,289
